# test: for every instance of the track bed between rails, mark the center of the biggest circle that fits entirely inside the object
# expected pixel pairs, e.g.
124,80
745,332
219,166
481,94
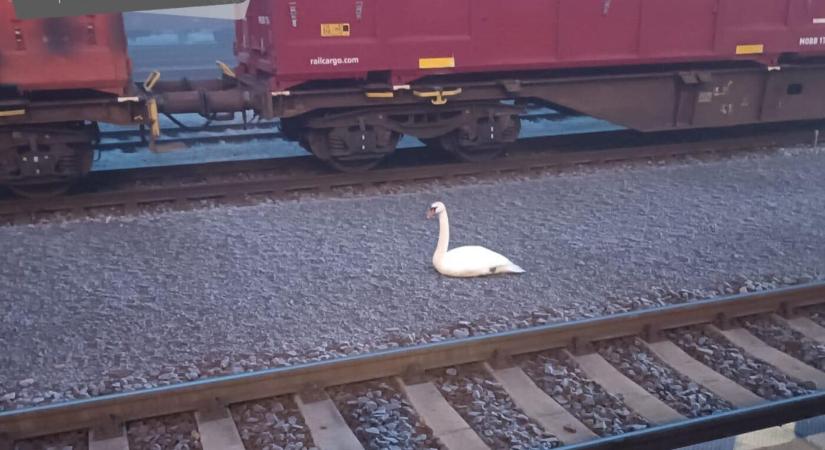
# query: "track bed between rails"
467,385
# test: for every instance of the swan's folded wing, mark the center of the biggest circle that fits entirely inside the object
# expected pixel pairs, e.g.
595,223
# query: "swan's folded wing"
475,256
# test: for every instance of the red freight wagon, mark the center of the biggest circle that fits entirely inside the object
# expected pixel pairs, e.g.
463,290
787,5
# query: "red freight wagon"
301,40
58,78
86,52
349,77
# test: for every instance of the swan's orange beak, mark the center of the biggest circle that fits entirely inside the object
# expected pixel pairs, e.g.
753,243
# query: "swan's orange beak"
430,213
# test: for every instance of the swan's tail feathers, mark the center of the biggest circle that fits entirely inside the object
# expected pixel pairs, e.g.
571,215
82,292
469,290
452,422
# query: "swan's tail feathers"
512,268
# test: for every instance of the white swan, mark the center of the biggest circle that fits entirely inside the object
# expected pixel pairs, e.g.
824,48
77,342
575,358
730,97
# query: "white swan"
470,261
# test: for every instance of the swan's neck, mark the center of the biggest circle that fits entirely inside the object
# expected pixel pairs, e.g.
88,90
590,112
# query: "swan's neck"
443,237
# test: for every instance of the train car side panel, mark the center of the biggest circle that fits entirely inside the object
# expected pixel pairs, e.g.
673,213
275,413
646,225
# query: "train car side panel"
665,31
87,52
359,39
598,30
539,22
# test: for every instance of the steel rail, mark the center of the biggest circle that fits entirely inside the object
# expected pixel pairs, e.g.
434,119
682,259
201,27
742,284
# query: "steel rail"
214,128
132,139
709,428
206,395
252,125
588,148
192,140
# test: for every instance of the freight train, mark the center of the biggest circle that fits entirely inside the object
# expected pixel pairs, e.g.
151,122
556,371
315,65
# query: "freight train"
348,78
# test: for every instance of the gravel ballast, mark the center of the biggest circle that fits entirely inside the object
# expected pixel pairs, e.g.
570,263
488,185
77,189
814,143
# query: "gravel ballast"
648,371
381,417
787,340
74,440
732,362
272,424
561,378
96,307
487,409
817,314
175,432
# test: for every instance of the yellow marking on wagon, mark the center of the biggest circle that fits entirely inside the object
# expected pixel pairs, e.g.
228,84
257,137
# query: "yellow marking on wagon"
750,49
438,97
151,80
335,30
154,122
436,63
12,112
380,95
226,69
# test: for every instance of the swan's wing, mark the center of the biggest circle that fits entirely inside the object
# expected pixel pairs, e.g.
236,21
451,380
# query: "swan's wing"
474,255
472,261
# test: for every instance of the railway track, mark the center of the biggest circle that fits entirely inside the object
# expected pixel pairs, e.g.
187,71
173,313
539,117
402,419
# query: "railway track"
136,133
184,187
187,136
322,393
130,141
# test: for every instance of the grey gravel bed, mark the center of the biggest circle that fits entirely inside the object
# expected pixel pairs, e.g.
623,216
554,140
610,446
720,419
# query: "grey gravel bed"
561,378
272,424
817,314
489,410
381,417
787,340
95,307
732,362
175,432
73,440
655,376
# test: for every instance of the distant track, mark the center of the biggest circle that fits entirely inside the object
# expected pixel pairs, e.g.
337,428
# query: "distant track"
185,187
131,140
498,354
210,128
166,143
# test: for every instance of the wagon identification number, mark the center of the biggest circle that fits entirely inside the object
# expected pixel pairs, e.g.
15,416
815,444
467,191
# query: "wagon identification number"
812,40
335,30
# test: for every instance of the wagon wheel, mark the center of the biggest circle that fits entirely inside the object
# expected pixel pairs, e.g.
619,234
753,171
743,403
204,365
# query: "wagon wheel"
451,143
73,161
351,149
41,190
355,165
490,142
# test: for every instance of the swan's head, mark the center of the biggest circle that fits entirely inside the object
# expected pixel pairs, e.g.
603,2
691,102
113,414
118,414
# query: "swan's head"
435,209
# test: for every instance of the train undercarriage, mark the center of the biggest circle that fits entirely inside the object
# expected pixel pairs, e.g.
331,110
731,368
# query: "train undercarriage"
475,119
46,160
46,147
360,139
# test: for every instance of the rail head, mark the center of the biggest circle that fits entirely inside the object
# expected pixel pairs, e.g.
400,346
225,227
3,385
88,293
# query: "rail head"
226,390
